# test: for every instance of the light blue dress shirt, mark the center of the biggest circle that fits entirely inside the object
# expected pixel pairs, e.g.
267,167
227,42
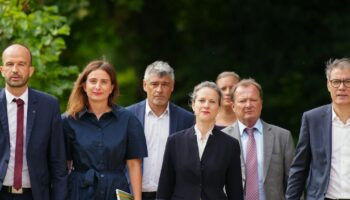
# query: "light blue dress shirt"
258,136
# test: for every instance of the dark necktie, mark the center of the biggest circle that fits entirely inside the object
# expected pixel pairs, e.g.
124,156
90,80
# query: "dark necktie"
252,178
17,178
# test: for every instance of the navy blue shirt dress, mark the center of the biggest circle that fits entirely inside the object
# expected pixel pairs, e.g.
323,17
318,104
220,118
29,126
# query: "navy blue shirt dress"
99,150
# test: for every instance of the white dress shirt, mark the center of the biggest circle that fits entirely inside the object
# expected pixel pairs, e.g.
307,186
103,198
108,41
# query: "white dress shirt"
12,122
259,141
339,181
156,132
202,140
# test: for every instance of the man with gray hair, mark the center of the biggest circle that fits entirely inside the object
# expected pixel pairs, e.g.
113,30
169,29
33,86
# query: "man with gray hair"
322,159
160,118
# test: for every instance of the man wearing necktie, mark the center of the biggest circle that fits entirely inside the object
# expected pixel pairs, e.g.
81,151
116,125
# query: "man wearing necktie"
267,150
32,150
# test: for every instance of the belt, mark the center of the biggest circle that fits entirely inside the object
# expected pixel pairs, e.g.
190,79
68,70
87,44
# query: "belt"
12,190
149,194
335,199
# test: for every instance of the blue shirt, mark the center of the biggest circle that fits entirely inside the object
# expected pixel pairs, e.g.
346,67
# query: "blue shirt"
258,136
99,149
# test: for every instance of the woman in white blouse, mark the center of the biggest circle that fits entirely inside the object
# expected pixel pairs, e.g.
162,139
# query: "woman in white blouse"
200,161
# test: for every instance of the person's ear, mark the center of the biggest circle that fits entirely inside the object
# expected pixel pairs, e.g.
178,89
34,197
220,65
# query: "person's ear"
31,70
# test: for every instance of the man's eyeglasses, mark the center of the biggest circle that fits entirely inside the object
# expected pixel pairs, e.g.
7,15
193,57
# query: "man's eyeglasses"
337,82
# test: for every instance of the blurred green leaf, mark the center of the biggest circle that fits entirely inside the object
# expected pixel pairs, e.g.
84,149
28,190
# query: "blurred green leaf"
41,29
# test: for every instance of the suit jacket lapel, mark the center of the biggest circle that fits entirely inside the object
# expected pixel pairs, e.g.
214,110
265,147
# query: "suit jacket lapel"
194,151
237,135
208,145
140,110
172,118
234,132
268,139
3,114
32,107
327,131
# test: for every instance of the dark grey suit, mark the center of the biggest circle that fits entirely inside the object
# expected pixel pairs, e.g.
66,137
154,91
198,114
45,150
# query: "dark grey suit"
278,153
312,161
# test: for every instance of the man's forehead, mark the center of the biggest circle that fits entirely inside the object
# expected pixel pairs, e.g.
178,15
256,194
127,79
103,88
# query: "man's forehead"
245,88
340,72
160,78
11,58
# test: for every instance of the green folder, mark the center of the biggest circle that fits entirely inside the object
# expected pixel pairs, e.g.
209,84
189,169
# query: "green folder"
122,195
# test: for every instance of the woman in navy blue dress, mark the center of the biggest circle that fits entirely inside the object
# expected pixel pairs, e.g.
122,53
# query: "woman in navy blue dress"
102,138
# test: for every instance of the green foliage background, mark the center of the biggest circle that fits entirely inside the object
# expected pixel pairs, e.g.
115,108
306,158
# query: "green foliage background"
41,30
282,44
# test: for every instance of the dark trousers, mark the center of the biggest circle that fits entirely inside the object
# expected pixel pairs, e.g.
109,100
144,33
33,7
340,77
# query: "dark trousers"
8,196
148,195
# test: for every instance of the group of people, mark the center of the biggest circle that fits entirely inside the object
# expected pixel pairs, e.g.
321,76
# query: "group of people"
155,149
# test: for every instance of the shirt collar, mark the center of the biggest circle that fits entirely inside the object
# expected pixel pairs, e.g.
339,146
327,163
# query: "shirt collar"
85,110
149,110
10,97
82,112
197,131
336,119
257,125
334,115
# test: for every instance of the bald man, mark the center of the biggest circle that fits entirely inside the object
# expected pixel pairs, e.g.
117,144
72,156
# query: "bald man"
32,150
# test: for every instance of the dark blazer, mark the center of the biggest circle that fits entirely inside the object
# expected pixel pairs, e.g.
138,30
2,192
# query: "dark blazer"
312,162
180,118
278,155
185,176
45,146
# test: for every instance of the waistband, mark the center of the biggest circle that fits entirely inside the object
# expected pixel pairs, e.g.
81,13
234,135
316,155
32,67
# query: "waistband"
12,190
149,194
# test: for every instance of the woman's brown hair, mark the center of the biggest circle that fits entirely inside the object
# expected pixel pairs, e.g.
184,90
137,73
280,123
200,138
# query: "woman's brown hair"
78,98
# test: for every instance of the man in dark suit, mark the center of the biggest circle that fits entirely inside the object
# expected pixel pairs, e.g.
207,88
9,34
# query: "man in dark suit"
322,159
273,146
32,150
159,118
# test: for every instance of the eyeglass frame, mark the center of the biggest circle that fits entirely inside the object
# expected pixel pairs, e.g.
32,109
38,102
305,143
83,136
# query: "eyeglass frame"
336,83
